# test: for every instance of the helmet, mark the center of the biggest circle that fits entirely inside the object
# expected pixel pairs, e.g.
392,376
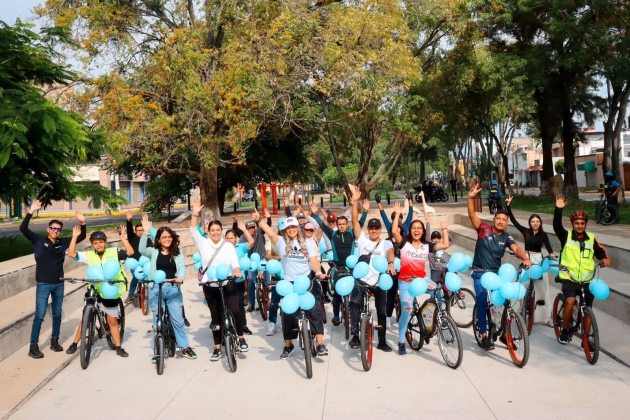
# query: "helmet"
609,174
332,218
282,223
98,235
494,182
579,215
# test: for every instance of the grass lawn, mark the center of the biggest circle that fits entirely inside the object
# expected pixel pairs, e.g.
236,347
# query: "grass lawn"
547,205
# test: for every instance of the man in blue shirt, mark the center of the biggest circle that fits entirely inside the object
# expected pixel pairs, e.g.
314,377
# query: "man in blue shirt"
612,189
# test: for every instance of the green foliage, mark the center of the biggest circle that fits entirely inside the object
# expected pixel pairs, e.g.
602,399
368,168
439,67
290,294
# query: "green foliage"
559,166
164,191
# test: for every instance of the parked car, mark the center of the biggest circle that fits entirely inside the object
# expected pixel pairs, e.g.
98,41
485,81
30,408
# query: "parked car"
247,197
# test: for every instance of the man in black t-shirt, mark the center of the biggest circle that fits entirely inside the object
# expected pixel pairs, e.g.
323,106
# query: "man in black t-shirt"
489,249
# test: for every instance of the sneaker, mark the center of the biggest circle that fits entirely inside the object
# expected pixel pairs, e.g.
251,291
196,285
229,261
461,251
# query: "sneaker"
154,360
186,323
444,324
287,352
389,322
354,342
246,330
488,345
250,308
272,328
402,351
216,355
322,350
34,352
128,300
551,324
72,349
564,337
242,344
382,345
335,320
189,353
121,352
54,345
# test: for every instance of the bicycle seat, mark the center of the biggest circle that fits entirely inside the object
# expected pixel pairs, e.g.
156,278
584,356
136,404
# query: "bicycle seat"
215,283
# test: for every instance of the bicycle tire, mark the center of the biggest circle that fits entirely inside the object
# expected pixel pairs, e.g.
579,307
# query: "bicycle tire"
462,315
159,348
397,307
557,309
265,301
414,332
306,344
230,350
444,197
346,316
517,339
323,309
609,216
121,326
87,335
475,325
454,337
259,300
591,347
367,346
527,310
144,299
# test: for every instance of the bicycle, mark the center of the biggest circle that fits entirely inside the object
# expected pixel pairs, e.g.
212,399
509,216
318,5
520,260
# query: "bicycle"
494,204
429,319
307,342
93,314
366,330
262,292
605,213
512,327
460,306
345,300
164,342
228,324
530,304
582,314
142,292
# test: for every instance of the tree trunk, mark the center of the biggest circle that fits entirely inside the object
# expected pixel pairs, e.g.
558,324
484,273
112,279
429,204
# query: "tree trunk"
617,105
549,123
367,148
208,190
330,139
568,137
422,168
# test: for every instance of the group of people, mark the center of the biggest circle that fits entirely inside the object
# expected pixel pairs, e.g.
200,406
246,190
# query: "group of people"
295,243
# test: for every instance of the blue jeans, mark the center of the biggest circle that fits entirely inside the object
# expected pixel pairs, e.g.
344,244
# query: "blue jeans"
406,305
482,302
175,301
42,291
132,286
251,276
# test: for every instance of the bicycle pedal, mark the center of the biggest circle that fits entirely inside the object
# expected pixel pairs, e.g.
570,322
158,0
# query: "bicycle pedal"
150,331
378,327
296,329
540,302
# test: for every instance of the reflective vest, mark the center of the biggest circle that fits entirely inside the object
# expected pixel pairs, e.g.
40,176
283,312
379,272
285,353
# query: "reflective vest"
110,254
580,263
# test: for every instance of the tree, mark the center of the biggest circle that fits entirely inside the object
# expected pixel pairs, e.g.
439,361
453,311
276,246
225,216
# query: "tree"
560,166
42,144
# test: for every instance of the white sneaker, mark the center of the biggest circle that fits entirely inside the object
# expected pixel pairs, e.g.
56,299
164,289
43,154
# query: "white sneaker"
389,322
272,329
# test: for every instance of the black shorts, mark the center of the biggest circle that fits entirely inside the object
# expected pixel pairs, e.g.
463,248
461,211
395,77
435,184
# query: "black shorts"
571,289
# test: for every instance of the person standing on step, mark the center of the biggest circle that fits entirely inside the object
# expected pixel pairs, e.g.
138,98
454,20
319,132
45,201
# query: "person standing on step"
50,253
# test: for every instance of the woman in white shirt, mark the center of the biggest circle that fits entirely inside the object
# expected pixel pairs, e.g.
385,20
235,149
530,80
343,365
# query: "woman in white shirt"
215,250
298,257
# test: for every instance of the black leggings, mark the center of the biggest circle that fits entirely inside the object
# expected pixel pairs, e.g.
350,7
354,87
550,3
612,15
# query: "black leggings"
290,323
240,286
391,296
213,297
356,305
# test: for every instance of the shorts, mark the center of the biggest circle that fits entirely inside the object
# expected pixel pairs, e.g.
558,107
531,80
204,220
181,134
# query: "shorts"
571,289
109,306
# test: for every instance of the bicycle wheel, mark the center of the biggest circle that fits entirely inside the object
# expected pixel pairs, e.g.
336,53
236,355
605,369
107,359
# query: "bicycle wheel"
323,309
159,348
259,300
558,308
397,307
144,299
87,335
517,339
450,342
366,342
590,338
527,309
460,306
265,301
414,332
475,325
230,350
121,325
346,316
444,197
608,216
306,343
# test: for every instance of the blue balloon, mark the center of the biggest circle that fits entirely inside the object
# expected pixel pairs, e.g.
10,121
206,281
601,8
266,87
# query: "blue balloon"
355,251
496,298
255,257
457,261
109,291
240,279
290,303
464,269
535,272
507,272
351,261
379,263
554,270
599,289
139,273
491,281
508,290
453,282
344,286
545,265
301,284
131,264
159,276
274,266
523,277
385,282
417,287
360,270
520,293
197,265
397,264
196,257
223,271
322,247
307,301
111,269
212,272
147,267
468,260
262,265
284,287
244,263
143,260
95,272
254,265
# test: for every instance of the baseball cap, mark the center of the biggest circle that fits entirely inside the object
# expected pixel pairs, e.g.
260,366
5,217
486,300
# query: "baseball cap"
301,216
250,224
332,218
374,223
291,221
282,223
436,234
309,226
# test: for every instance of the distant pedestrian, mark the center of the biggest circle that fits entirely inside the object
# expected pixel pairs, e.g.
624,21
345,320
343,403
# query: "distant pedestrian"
612,189
50,253
453,183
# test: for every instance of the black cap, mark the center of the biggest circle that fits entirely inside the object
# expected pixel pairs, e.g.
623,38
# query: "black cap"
250,224
301,216
374,223
436,234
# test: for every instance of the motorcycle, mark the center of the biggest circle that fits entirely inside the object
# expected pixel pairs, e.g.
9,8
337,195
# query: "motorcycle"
432,192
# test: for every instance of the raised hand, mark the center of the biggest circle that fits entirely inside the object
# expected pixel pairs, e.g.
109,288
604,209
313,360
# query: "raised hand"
196,206
508,201
407,195
255,215
397,208
266,214
366,204
129,215
427,216
560,203
241,226
444,224
234,218
122,230
76,231
356,194
80,217
327,206
377,198
476,189
146,225
35,206
314,208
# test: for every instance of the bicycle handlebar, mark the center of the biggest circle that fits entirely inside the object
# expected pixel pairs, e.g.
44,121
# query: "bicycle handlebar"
91,281
228,279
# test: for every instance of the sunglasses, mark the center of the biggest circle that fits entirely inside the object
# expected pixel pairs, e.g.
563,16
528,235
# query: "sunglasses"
309,230
54,229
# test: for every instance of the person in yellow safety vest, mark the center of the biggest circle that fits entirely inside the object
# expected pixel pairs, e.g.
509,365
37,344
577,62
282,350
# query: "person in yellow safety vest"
578,249
99,255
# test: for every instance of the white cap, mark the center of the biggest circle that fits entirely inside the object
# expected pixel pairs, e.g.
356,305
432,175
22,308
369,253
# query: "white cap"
292,221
